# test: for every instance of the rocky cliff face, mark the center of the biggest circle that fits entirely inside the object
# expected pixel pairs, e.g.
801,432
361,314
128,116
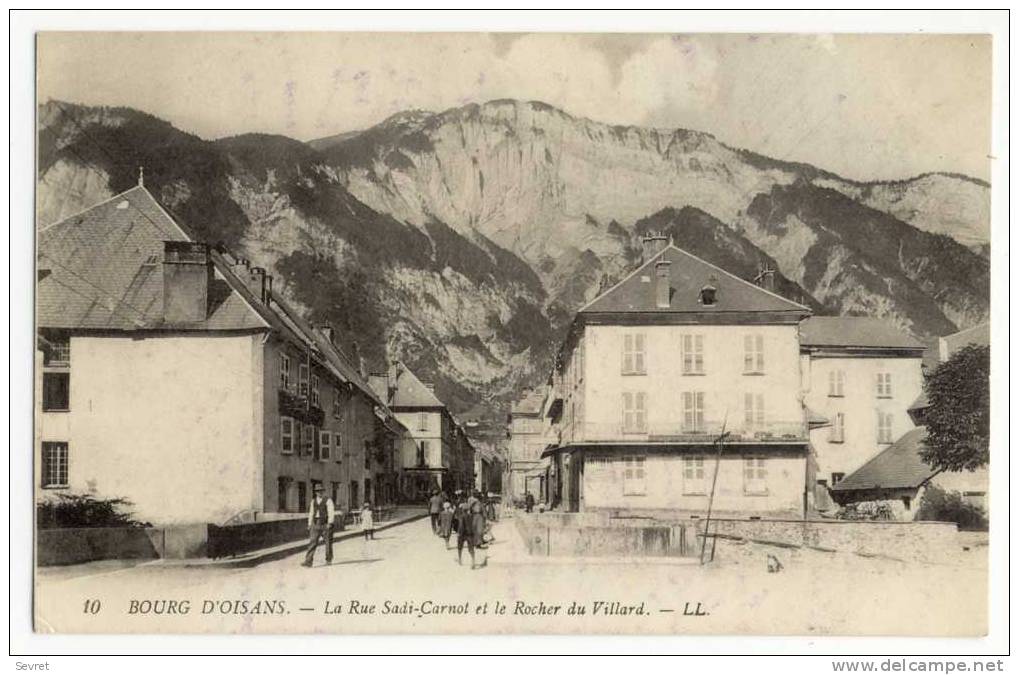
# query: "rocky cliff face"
564,194
461,242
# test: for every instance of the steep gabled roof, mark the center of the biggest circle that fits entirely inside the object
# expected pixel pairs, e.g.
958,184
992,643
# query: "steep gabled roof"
102,269
411,392
897,466
688,275
855,332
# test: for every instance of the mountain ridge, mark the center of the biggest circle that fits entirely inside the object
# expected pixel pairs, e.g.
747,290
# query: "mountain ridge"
461,242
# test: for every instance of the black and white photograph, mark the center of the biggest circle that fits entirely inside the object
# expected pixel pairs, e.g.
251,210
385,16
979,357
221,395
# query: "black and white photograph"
668,333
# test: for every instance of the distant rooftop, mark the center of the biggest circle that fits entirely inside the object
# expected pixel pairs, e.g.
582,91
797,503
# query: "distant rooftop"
897,466
855,331
529,404
688,275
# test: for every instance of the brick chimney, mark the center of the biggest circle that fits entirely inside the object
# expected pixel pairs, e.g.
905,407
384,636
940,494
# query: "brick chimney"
260,283
663,284
187,274
652,243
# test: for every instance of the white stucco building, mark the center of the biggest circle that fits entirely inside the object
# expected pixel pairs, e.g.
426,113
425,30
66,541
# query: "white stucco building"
860,375
170,374
677,361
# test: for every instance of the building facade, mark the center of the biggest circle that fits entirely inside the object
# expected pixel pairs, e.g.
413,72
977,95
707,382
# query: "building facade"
527,431
860,376
172,375
437,454
679,386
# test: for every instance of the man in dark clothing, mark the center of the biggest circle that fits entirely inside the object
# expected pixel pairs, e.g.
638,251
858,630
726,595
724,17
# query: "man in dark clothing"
320,526
434,509
529,502
464,532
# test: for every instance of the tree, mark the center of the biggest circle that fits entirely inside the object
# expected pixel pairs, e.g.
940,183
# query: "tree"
958,418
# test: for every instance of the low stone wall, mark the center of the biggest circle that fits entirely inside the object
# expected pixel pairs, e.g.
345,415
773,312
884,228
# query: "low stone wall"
917,541
560,535
69,546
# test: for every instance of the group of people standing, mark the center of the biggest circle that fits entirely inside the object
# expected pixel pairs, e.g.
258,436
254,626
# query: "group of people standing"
466,513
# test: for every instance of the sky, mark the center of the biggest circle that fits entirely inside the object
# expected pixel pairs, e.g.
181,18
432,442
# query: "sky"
867,107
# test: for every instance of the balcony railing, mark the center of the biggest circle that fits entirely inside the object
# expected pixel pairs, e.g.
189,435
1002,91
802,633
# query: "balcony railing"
777,431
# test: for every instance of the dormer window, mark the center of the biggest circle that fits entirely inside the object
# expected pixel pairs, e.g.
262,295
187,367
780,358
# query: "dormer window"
708,295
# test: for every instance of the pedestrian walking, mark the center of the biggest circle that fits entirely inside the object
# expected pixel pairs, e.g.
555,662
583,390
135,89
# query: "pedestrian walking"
446,522
478,523
368,522
434,509
321,516
462,518
529,502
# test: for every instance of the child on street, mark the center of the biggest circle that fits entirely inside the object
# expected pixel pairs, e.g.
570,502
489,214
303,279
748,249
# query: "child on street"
368,522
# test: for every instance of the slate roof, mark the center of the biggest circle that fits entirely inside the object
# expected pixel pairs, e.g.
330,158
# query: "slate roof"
855,331
411,392
897,466
102,269
688,275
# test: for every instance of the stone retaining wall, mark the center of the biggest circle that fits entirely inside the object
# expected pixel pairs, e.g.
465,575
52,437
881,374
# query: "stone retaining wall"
582,537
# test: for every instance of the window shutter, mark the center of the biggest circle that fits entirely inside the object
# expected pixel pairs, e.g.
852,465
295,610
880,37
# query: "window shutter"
759,343
640,415
639,357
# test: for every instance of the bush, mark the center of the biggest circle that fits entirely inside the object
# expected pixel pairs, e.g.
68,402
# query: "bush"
71,510
939,504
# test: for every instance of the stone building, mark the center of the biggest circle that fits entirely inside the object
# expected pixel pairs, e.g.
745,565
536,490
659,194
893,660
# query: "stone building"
175,376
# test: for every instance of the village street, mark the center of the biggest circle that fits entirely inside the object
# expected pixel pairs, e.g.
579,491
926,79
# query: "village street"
405,581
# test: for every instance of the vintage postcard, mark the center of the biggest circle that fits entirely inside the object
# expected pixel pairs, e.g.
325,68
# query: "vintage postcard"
537,333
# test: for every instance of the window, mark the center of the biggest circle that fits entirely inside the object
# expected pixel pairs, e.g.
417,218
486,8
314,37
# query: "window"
59,353
314,390
838,428
367,455
308,439
284,371
907,502
334,493
56,392
634,357
693,411
634,482
282,486
836,382
286,435
423,453
634,412
753,411
54,464
753,354
337,404
884,427
325,445
837,477
884,385
422,421
755,476
302,379
692,351
693,476
302,496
